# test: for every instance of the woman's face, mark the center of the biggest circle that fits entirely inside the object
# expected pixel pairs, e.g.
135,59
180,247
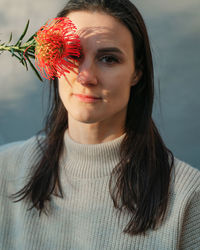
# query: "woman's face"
106,70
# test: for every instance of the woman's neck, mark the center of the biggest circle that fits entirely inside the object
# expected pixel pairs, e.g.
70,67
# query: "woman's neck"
94,133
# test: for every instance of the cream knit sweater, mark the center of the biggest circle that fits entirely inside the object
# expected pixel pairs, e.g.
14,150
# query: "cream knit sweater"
86,219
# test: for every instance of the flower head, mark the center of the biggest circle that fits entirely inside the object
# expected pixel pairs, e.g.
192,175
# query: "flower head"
56,44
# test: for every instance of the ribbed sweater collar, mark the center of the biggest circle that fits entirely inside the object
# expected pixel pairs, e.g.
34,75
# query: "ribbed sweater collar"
90,160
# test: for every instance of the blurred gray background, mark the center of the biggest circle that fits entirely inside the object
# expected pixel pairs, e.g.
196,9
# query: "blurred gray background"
174,30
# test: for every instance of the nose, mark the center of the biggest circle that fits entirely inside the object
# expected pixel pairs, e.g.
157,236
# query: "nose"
87,73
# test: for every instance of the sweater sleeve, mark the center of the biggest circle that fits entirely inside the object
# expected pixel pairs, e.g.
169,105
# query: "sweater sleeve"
190,235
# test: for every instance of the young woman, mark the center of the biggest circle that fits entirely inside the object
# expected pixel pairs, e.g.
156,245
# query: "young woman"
101,177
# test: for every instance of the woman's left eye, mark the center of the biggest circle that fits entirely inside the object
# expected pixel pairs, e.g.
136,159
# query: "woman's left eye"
109,59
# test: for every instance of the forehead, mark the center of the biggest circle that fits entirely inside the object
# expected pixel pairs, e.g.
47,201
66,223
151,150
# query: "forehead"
100,29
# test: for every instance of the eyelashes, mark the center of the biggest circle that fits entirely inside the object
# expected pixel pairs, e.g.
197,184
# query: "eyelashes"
109,59
105,59
72,58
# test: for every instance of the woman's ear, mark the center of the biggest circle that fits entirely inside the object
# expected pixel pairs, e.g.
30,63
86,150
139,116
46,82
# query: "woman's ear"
136,77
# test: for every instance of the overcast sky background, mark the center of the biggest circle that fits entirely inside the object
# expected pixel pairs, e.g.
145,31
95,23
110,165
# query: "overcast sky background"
174,30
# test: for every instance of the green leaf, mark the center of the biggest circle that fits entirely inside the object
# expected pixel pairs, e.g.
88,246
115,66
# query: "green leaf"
12,51
32,49
22,56
30,55
31,37
10,38
13,54
21,59
24,63
23,34
34,69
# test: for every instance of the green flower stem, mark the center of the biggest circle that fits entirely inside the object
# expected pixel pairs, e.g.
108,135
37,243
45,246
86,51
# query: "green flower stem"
10,48
22,52
16,48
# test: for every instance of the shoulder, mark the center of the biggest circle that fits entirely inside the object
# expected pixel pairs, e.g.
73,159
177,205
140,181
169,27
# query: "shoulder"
17,157
18,146
18,149
186,178
187,198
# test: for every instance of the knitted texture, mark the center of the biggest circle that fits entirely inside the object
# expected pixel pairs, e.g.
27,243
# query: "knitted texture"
85,219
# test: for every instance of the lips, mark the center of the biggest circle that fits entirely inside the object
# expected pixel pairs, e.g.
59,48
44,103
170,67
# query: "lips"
87,98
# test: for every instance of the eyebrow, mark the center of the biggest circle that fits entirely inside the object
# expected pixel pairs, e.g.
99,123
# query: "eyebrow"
110,49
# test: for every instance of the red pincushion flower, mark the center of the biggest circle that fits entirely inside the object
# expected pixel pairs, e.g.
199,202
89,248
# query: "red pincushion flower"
56,44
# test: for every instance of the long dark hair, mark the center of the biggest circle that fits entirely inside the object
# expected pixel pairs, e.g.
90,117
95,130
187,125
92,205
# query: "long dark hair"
142,178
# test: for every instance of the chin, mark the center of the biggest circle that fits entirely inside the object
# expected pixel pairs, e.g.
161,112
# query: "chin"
86,118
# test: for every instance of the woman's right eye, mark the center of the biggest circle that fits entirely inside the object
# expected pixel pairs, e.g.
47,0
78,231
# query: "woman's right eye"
109,59
74,57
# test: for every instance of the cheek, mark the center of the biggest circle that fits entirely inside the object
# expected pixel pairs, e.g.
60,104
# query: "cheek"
68,80
118,99
64,90
119,86
119,92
